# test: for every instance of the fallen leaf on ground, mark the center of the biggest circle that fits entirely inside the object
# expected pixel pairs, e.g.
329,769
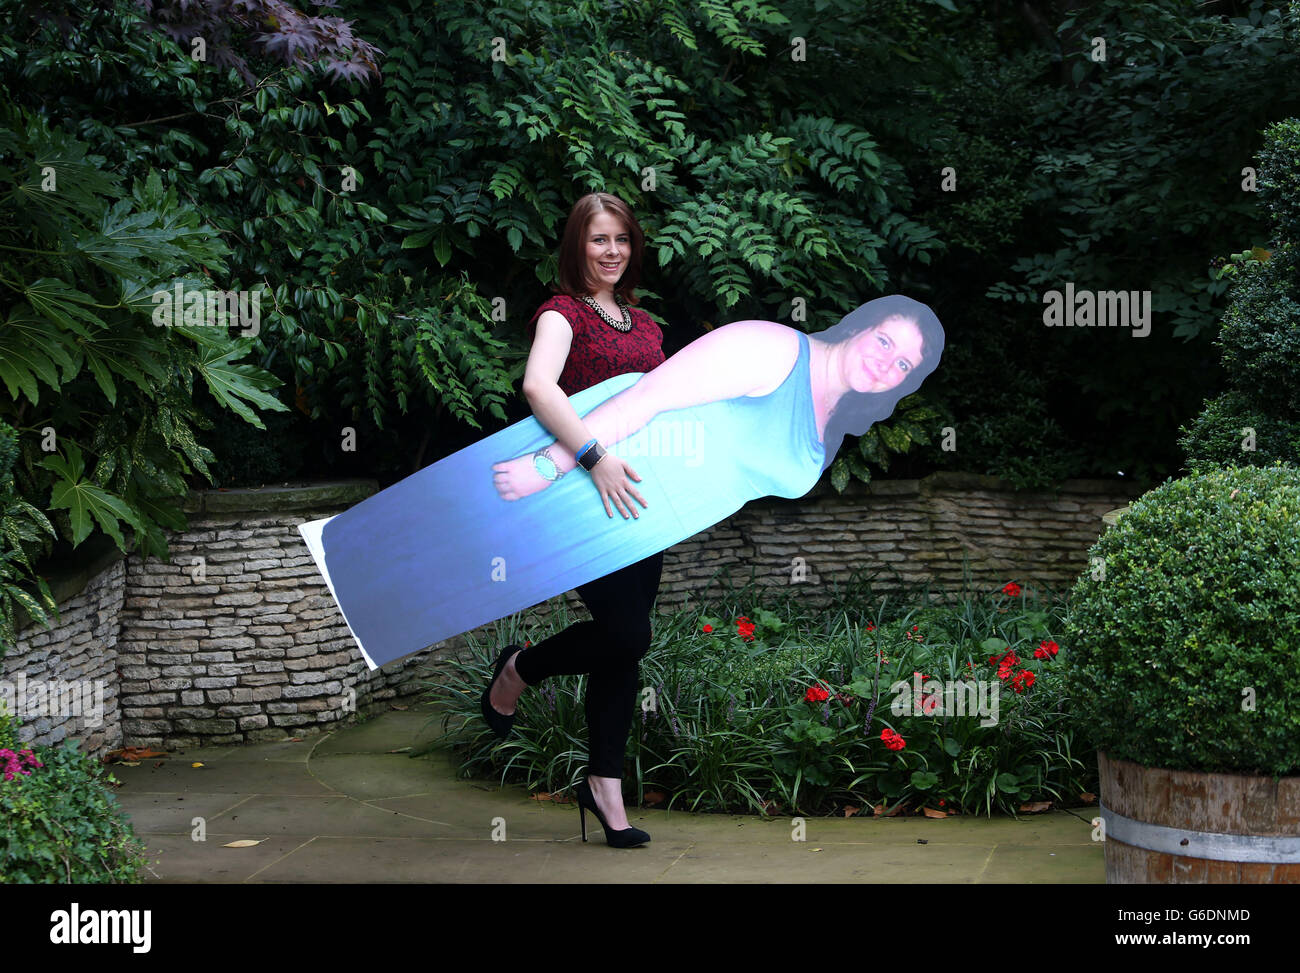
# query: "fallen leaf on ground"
242,843
654,797
934,812
399,706
850,810
1034,807
401,750
540,796
196,764
295,740
129,763
1087,798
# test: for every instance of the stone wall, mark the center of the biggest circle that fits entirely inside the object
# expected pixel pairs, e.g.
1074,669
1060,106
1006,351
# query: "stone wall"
902,535
237,639
62,682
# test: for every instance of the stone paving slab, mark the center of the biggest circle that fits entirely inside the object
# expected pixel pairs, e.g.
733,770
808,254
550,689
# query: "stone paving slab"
342,808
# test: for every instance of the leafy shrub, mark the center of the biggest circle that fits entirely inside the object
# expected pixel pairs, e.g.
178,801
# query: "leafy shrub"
1186,649
1260,335
24,534
61,820
100,395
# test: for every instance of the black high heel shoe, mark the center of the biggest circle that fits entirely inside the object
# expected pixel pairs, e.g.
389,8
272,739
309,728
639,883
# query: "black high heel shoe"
500,722
627,838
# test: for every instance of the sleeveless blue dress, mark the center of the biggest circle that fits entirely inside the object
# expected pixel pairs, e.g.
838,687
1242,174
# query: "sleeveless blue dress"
440,552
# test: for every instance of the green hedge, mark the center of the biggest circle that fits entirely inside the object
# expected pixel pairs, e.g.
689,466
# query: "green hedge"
1186,648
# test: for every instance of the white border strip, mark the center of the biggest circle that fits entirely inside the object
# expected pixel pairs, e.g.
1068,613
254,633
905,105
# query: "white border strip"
311,533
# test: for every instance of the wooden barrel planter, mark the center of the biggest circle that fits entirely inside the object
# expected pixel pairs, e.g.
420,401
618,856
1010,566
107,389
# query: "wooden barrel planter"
1181,827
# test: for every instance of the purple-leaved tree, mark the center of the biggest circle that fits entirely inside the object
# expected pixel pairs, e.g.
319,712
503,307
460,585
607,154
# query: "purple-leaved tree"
276,28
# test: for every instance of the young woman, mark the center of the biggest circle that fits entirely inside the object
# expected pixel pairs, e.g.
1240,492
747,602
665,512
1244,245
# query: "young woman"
585,335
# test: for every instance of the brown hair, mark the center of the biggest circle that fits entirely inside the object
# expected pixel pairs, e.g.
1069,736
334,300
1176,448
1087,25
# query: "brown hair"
573,278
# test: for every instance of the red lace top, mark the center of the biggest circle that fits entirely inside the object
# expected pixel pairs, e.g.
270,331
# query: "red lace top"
598,351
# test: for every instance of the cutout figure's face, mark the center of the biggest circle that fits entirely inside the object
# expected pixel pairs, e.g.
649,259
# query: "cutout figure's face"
880,358
608,248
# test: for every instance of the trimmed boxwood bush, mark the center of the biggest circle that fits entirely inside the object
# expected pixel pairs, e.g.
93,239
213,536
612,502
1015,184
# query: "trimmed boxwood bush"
60,822
1196,617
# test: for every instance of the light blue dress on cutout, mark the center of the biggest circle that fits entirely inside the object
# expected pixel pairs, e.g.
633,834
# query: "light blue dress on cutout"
440,552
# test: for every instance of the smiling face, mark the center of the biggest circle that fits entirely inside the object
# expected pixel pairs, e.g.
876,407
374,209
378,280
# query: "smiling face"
879,358
608,248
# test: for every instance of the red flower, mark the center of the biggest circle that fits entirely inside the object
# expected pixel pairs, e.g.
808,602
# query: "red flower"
1005,663
942,802
816,694
745,628
1046,649
708,628
1022,680
870,627
527,643
1011,588
892,740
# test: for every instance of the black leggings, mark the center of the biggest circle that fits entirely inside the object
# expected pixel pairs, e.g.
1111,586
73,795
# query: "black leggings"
609,647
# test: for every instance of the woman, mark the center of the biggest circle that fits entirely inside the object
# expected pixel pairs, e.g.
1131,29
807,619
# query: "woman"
585,335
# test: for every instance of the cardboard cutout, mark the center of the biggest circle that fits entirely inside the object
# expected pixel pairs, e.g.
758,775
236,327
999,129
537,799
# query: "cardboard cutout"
483,533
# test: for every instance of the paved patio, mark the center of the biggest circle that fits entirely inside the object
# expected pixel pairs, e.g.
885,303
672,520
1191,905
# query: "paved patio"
339,807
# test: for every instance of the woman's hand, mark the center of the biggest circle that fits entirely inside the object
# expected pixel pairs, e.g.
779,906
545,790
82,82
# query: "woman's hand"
518,478
611,478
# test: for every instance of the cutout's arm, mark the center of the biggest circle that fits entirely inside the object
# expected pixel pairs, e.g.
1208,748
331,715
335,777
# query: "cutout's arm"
730,361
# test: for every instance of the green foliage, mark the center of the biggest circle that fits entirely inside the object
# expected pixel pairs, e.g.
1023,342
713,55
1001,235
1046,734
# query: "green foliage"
24,531
1279,178
1123,173
100,396
62,823
727,727
1186,650
403,232
1256,421
911,422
